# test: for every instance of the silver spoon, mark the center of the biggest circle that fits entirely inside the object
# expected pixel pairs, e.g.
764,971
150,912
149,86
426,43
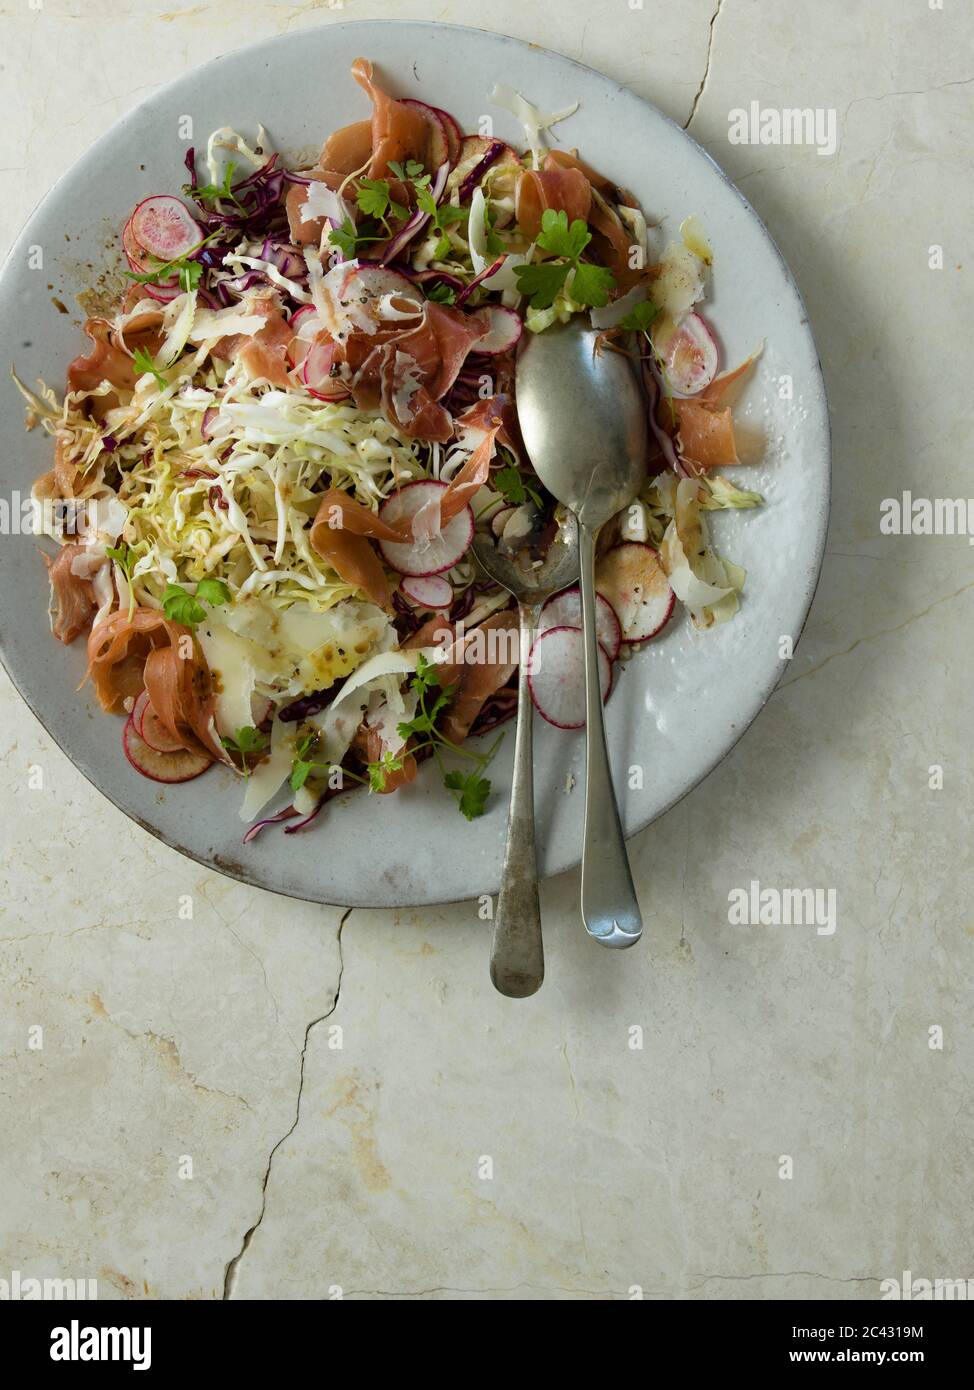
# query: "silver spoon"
583,420
516,950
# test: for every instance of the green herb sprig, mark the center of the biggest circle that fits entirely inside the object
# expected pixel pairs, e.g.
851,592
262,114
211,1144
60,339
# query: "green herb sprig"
590,284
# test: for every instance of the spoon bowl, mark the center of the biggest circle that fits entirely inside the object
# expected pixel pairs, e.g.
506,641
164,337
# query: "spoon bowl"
583,420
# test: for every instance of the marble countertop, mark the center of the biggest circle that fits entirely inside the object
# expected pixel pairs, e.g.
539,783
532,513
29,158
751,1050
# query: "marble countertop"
270,1099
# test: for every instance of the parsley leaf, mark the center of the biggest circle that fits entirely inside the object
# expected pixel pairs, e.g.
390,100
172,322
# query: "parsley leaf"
389,762
411,171
181,607
213,591
542,282
590,284
347,239
245,741
495,247
145,366
471,791
441,217
213,192
425,677
122,555
441,294
561,240
640,317
374,200
512,486
300,770
189,272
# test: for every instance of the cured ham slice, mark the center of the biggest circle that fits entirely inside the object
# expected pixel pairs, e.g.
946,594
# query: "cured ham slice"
555,186
706,433
407,374
399,132
476,680
73,595
145,650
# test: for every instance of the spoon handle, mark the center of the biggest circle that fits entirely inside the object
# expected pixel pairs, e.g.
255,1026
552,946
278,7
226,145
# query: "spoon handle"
610,909
516,951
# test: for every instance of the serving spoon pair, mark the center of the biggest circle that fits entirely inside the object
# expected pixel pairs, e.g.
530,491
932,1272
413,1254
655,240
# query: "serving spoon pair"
583,421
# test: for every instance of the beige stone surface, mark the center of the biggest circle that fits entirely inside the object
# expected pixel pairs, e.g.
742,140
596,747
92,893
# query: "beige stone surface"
354,1094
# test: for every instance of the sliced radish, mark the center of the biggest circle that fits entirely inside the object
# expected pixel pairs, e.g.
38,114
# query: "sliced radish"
504,331
163,293
453,133
633,580
181,766
306,321
441,552
163,226
316,372
689,354
565,610
136,255
367,283
556,676
440,150
306,324
427,591
151,729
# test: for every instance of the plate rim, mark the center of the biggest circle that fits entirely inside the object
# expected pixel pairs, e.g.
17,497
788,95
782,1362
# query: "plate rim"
216,861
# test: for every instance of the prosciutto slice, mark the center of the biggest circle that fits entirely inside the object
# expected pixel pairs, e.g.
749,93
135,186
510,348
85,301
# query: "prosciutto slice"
148,651
73,595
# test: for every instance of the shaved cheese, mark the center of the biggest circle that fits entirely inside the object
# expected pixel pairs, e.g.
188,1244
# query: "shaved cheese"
533,120
235,662
221,323
679,284
266,779
505,277
322,201
701,582
611,314
636,222
383,664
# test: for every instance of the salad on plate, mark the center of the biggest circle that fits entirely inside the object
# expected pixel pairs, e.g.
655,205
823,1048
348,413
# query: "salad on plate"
270,463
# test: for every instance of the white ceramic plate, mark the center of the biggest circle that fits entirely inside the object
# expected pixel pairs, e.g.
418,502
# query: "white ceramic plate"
679,706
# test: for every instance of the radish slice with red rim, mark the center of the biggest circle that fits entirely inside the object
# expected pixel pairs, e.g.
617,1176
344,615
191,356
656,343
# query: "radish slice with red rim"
151,729
181,766
690,355
316,373
367,284
164,293
442,151
565,610
556,676
427,591
504,331
632,579
438,553
136,255
163,226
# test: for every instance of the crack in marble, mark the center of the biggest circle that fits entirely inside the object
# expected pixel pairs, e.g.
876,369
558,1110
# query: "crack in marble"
706,72
874,636
787,1274
230,1272
167,1048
